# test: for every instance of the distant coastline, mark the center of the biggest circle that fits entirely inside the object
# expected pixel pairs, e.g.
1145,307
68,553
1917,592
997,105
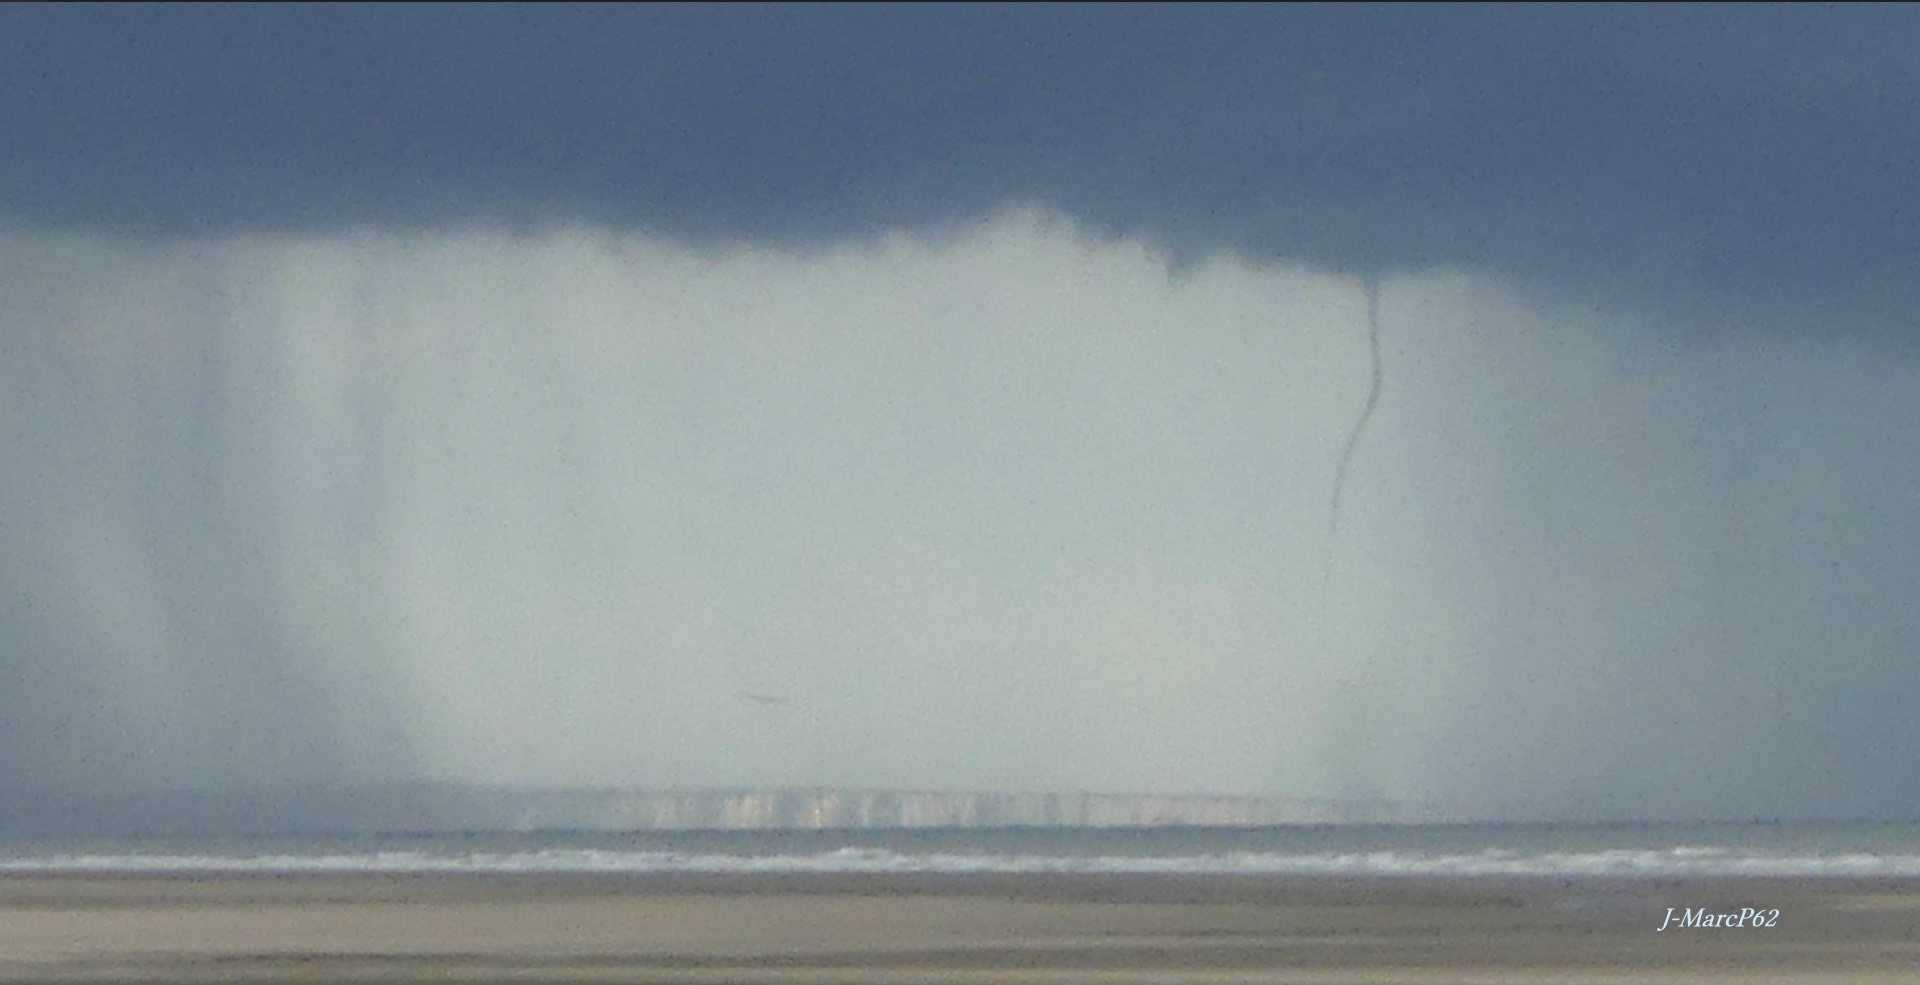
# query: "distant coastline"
442,807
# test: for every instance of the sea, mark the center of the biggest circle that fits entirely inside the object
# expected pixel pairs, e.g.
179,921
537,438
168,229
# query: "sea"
1631,851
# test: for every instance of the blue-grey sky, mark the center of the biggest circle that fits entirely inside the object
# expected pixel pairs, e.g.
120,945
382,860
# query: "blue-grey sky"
1675,147
498,392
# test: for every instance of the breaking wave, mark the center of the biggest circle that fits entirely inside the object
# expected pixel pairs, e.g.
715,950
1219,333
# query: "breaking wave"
1629,863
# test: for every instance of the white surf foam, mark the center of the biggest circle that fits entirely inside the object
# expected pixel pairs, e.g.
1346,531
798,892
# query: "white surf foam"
1631,863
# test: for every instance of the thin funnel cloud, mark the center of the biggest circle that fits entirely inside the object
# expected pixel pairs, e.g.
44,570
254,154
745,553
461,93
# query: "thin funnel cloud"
1374,379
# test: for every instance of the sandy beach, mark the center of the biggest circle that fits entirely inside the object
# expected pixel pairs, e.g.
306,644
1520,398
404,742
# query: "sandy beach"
911,929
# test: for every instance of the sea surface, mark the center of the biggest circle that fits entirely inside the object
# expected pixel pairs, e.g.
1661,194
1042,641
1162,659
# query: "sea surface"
1649,851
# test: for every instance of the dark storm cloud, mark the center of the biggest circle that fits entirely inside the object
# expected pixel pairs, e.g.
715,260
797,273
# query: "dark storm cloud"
1692,149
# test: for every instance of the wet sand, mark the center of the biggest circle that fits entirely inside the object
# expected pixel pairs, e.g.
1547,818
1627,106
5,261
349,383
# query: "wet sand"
946,929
